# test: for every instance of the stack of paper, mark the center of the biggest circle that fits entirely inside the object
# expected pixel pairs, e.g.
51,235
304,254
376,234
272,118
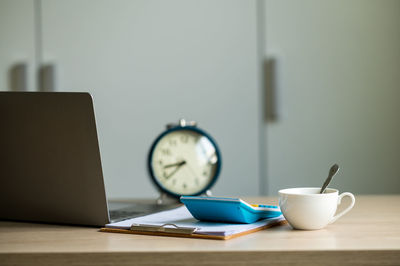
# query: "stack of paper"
181,217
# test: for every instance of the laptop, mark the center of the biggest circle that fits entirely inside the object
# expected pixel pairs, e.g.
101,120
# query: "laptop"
50,166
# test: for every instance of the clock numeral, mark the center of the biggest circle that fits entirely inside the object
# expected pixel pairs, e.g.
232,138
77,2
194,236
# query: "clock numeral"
173,182
160,162
184,185
205,173
166,151
197,181
172,142
184,138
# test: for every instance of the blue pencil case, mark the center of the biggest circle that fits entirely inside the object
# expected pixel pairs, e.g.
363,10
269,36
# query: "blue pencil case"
228,210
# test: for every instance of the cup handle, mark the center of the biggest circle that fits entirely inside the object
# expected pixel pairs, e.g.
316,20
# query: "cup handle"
353,200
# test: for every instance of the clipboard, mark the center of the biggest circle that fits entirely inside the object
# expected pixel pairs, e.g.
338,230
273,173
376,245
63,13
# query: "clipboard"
179,222
185,232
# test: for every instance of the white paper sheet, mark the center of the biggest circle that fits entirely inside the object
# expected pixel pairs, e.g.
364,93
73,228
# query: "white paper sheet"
181,217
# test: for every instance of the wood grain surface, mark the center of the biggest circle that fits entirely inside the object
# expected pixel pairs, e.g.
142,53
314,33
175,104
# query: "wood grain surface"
368,235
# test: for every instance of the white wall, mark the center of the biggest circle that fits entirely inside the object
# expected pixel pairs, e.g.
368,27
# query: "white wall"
339,82
338,76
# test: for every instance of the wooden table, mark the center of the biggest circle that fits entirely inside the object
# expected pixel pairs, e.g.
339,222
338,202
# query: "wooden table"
368,235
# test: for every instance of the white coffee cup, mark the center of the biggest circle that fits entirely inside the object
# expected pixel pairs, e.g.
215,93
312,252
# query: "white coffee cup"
306,208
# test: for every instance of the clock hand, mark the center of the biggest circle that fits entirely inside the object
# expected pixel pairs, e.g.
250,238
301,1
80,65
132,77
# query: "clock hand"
172,173
175,164
179,165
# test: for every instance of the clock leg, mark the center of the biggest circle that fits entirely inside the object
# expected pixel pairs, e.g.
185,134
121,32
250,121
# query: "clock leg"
165,199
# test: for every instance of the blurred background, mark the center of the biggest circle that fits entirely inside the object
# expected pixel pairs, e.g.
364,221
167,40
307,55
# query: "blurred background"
287,88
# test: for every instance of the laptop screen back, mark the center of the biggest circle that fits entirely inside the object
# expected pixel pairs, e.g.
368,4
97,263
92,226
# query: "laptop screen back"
50,168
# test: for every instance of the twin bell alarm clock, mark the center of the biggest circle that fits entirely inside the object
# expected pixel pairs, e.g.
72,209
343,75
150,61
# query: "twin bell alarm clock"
184,161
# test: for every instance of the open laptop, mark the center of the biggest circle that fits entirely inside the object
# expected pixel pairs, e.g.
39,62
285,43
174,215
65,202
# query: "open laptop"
50,167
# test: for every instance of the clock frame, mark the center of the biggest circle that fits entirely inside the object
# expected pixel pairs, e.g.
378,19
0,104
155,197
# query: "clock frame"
182,126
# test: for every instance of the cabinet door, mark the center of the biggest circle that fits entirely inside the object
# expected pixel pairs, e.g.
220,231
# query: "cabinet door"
17,45
338,72
149,63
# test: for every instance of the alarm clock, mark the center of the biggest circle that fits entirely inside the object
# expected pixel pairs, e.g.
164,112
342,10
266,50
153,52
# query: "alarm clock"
184,161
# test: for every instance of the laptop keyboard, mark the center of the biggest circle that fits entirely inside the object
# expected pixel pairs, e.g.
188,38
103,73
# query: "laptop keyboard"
137,210
124,214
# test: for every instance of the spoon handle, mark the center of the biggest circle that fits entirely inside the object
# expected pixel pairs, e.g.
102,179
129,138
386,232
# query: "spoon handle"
332,172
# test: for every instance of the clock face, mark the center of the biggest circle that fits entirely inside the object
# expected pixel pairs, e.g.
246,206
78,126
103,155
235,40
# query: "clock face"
184,162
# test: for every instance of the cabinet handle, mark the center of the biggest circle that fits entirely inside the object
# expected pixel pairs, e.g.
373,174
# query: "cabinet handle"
17,77
273,111
47,80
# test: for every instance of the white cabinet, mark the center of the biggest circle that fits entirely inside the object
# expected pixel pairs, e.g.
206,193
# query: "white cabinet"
17,45
148,63
339,75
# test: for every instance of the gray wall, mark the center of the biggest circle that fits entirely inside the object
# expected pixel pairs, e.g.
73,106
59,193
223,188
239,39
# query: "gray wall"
148,63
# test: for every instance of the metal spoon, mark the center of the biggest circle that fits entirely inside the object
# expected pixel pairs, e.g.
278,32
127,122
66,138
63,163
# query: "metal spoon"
332,172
